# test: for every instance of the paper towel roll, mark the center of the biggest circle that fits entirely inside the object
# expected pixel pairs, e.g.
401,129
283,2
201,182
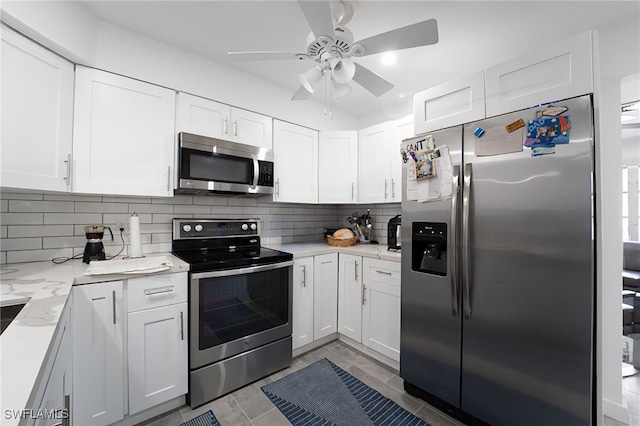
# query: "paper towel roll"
135,246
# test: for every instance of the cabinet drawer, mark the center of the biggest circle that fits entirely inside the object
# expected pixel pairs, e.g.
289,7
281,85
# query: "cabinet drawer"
383,271
155,291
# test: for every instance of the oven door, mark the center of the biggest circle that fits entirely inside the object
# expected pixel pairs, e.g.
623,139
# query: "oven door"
236,310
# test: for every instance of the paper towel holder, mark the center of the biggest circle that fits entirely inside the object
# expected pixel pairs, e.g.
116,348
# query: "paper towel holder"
135,244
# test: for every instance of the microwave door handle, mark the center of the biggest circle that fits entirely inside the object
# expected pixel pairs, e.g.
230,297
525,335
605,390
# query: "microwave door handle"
256,172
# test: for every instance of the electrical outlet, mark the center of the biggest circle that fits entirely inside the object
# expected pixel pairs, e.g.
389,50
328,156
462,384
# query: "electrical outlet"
121,225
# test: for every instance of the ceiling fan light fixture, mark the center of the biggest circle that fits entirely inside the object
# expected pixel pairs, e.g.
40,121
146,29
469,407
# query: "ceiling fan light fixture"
343,70
340,90
310,78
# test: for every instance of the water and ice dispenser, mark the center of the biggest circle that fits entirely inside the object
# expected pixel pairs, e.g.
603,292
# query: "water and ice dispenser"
429,247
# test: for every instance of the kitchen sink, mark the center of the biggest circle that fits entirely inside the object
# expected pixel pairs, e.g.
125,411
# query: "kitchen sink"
9,311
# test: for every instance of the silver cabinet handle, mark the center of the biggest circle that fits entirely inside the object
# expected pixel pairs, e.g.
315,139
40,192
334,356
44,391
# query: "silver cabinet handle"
352,191
226,126
303,281
181,325
466,197
327,262
158,291
385,189
67,178
364,289
453,257
235,127
169,178
383,272
355,270
113,297
278,188
67,408
393,188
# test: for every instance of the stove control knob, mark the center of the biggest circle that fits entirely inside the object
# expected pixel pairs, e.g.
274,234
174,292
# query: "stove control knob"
186,228
245,226
254,226
198,228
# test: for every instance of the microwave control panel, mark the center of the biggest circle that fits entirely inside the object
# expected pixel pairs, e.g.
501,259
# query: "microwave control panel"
265,176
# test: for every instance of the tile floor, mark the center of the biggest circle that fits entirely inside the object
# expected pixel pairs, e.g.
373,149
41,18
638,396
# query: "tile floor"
249,406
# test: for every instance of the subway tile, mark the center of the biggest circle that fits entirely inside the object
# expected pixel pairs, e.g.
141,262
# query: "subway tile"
37,255
151,208
17,231
281,225
155,228
225,210
303,231
177,199
112,219
72,218
102,207
63,242
282,210
161,238
179,209
11,244
128,200
156,248
3,258
72,197
21,218
242,201
8,195
3,231
4,206
168,218
211,200
256,211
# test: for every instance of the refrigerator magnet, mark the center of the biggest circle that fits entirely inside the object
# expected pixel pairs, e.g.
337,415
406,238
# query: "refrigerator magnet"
548,131
554,110
518,124
537,151
425,166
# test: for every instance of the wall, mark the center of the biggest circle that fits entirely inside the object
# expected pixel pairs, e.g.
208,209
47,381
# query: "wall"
69,29
41,226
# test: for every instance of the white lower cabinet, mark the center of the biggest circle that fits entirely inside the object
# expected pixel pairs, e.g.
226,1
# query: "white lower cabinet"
98,362
350,297
381,307
315,298
152,370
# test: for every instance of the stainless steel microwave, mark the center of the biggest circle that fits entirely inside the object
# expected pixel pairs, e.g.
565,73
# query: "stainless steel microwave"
211,166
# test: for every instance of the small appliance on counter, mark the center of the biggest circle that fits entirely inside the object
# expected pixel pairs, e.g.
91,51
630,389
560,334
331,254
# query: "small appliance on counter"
94,250
393,233
362,227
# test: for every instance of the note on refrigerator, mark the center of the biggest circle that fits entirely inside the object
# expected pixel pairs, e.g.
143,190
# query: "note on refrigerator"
498,140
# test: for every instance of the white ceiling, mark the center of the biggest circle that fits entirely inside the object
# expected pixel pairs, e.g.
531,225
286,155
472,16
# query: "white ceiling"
473,35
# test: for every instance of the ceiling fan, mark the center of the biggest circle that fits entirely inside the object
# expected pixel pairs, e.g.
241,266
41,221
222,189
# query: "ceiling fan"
331,47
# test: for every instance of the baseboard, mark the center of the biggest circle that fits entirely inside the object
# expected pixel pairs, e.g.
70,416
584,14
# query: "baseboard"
315,344
370,352
153,412
615,411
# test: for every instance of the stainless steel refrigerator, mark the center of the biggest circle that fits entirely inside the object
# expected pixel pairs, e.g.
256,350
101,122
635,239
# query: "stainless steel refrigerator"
498,279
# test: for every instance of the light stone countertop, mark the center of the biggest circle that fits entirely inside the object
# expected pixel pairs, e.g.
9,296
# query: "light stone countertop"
27,341
375,251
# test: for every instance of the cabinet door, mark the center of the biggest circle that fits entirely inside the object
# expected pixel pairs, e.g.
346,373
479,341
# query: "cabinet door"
58,387
303,284
454,102
338,167
124,135
350,297
403,129
203,117
325,295
561,70
37,115
373,164
296,163
157,356
98,359
381,318
251,128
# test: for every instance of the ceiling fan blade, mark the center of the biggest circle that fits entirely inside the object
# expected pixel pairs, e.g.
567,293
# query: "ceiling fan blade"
415,35
319,17
266,56
371,81
301,94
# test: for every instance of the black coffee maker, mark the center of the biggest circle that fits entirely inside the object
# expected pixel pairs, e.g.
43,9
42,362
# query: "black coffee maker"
94,250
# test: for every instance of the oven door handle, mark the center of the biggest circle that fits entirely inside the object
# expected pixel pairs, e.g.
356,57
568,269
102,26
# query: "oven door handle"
249,270
256,172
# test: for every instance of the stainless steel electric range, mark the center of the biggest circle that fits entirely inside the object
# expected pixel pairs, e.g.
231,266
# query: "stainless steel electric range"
240,301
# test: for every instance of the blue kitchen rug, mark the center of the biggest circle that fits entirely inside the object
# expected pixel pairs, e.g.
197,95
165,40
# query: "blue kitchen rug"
325,394
206,419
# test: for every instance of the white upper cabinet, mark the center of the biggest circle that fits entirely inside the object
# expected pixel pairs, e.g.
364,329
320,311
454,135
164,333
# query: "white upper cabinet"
374,174
295,163
338,167
561,70
403,130
454,102
124,135
251,128
205,117
37,116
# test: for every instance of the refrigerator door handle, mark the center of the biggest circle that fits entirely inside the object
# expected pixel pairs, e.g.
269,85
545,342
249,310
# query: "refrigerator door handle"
453,235
466,196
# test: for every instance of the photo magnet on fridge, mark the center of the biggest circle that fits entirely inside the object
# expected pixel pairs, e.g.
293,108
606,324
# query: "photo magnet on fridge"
425,165
548,131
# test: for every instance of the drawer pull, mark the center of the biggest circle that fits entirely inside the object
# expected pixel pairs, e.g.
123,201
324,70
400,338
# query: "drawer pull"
156,292
113,299
383,272
181,325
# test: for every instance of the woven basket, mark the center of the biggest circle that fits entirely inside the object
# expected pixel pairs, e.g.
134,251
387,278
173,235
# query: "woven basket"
337,242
